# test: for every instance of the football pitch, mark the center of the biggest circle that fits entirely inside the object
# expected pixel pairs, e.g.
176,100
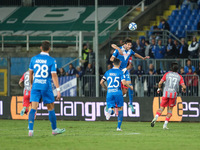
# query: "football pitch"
99,135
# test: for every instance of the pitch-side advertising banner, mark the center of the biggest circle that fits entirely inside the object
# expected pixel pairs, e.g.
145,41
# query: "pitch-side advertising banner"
93,109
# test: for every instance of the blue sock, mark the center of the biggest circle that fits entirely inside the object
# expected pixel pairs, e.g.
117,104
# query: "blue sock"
31,119
130,94
120,118
52,118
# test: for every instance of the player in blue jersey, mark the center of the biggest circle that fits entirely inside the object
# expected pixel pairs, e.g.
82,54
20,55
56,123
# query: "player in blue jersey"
124,53
114,97
44,69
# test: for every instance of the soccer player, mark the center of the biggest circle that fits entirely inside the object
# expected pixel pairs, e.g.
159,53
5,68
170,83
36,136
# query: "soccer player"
172,81
44,69
114,77
124,53
24,82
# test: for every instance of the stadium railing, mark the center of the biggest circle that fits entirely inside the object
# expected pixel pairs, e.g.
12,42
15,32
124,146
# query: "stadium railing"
190,33
144,86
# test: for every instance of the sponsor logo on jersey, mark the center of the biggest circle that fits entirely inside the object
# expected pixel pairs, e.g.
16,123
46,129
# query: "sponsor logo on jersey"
41,81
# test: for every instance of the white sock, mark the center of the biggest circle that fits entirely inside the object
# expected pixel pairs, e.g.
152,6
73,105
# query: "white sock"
31,131
166,122
156,117
54,130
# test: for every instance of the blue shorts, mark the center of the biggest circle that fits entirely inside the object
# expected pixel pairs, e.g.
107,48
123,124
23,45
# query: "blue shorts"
46,95
127,76
113,99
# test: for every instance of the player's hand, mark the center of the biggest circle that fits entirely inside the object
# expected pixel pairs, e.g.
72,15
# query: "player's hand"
58,95
183,90
124,70
131,87
146,57
159,90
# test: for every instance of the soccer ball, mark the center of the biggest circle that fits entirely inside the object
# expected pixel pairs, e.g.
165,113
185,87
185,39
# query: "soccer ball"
132,26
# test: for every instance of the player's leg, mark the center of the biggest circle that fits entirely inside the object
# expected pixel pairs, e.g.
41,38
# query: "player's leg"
169,114
25,103
120,103
172,103
48,98
130,92
110,105
163,104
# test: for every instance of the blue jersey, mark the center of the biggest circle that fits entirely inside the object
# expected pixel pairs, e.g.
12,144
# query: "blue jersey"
123,58
114,77
42,65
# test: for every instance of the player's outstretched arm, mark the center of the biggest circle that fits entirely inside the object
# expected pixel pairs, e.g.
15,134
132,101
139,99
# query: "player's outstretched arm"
55,81
102,84
112,58
139,56
116,47
159,86
31,78
126,84
21,83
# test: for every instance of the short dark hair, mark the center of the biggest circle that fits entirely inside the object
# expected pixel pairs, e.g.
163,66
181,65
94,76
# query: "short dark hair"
116,61
45,45
188,59
174,67
128,41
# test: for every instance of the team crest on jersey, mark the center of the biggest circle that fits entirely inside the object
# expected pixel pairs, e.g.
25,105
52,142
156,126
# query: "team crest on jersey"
126,54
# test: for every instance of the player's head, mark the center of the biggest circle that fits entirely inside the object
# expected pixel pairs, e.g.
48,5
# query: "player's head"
46,46
116,62
174,67
128,44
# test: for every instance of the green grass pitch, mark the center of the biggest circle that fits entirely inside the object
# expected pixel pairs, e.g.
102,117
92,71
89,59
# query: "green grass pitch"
98,135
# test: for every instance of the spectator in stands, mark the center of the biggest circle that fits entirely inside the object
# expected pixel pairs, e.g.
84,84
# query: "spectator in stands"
89,70
121,42
193,48
131,70
85,55
150,82
151,67
139,49
142,42
183,50
188,80
159,50
139,72
72,71
147,48
157,33
111,53
91,56
170,51
195,84
193,4
188,66
165,25
61,72
152,46
198,70
176,48
182,72
198,27
79,72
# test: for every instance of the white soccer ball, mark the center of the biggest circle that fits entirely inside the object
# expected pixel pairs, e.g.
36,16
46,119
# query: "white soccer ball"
132,26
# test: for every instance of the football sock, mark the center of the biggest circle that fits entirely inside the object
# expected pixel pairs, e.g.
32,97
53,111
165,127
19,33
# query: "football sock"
167,119
120,118
52,118
130,94
31,119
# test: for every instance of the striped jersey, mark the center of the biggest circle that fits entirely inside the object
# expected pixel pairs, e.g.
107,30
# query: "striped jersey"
172,81
25,79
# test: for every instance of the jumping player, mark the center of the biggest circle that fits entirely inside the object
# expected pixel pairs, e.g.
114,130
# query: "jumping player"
24,82
127,53
172,81
44,69
114,96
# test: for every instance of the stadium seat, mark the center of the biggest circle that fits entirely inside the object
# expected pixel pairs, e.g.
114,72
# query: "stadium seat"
188,27
170,22
181,12
174,13
194,27
195,12
178,33
193,17
188,12
179,17
176,22
181,27
184,7
183,23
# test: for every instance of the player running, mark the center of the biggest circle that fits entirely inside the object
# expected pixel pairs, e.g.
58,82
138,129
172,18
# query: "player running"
114,96
24,82
124,53
44,69
172,81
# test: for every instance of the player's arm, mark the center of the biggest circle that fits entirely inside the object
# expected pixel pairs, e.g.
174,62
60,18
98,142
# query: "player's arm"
139,56
160,86
21,81
56,83
183,85
116,47
31,77
126,84
102,84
